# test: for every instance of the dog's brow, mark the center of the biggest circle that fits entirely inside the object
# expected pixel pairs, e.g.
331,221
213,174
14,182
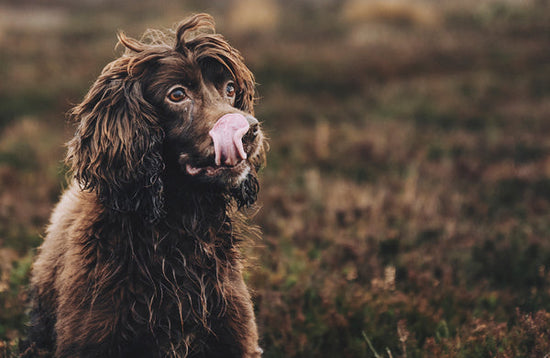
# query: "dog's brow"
215,72
179,70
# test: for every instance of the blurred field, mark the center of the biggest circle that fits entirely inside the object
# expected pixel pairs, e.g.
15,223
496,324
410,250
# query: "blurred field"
406,200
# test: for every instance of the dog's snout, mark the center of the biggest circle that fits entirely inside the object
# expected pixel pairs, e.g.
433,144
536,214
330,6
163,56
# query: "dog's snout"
252,121
254,128
227,136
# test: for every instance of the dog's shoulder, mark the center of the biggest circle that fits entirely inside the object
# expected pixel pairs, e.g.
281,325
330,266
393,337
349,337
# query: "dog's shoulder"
74,203
75,210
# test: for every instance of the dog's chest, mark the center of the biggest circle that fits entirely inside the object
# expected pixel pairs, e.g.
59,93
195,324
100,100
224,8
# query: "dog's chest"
182,288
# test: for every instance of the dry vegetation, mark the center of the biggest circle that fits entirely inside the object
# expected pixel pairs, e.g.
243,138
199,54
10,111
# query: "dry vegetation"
405,204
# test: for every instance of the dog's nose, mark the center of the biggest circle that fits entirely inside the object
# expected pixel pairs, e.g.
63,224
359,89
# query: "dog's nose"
254,126
251,120
227,136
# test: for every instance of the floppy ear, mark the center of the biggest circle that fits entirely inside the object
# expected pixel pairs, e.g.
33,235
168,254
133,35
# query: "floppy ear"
116,151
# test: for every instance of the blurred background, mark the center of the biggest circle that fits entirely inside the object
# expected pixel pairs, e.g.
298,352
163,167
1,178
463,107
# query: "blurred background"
405,205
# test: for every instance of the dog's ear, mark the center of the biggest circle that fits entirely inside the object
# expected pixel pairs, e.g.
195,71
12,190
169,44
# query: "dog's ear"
116,151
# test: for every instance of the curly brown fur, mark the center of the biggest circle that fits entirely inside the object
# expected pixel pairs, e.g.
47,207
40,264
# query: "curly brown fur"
141,256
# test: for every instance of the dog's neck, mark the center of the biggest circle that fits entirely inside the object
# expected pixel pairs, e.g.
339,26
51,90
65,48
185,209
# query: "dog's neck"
193,219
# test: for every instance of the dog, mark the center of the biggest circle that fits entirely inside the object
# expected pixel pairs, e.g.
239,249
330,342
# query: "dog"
141,256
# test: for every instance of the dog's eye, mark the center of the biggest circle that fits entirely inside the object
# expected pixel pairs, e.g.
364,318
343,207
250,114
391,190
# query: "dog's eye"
177,95
230,89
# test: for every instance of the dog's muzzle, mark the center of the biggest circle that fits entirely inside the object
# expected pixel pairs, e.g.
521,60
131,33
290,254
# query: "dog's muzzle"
227,135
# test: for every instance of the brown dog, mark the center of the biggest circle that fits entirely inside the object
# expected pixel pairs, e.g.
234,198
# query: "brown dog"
141,256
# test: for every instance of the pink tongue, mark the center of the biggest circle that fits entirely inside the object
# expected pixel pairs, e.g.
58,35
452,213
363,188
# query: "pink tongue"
227,134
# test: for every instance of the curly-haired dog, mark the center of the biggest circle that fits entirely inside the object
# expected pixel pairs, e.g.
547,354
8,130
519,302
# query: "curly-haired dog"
141,256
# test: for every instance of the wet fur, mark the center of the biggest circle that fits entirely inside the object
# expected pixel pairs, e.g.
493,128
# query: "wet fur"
141,260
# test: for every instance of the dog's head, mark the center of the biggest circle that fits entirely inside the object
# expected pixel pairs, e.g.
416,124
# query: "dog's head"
180,111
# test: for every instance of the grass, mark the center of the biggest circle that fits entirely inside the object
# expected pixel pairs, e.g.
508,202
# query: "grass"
405,202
